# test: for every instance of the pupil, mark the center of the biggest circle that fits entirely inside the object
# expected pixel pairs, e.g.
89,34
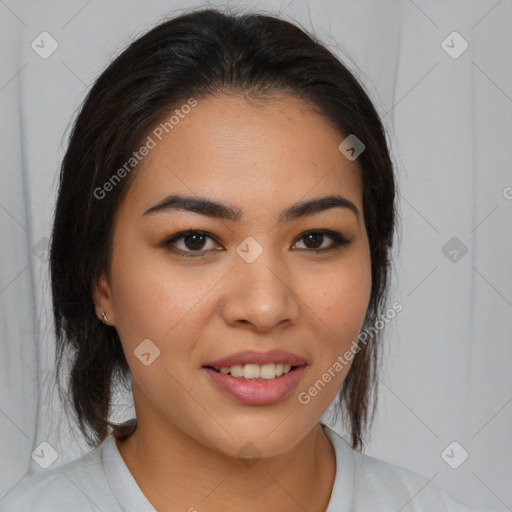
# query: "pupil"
196,239
315,238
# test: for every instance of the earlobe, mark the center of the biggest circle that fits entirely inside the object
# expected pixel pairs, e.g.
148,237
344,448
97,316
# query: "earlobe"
102,301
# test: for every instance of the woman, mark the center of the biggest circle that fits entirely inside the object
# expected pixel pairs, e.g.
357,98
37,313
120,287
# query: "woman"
221,244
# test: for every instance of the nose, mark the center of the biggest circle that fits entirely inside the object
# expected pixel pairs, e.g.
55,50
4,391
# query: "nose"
260,296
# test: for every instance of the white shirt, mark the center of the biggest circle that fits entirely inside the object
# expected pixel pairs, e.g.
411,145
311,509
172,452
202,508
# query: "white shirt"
101,481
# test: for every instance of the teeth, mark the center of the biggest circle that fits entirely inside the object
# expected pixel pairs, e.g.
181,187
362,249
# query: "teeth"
267,371
236,371
252,371
257,371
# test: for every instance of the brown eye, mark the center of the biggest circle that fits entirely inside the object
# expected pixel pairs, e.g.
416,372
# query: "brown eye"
314,240
192,243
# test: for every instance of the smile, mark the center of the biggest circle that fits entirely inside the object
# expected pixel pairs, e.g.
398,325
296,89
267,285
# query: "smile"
247,386
251,371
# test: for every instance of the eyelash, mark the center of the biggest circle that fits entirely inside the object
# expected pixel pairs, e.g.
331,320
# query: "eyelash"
338,239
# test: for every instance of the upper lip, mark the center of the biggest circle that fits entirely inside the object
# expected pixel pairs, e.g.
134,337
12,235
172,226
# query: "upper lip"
256,357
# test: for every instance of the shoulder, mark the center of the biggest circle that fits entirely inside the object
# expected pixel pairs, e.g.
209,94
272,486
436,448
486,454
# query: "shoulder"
77,485
405,489
380,485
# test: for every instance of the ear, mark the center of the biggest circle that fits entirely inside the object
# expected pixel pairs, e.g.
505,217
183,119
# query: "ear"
103,300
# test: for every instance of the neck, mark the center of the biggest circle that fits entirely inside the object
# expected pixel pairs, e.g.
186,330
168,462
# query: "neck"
176,472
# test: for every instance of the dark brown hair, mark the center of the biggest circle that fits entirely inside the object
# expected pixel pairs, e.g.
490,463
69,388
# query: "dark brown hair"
197,54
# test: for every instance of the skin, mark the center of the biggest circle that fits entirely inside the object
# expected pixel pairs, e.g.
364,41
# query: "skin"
260,156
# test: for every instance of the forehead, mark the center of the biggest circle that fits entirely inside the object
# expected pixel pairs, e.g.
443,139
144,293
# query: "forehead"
248,153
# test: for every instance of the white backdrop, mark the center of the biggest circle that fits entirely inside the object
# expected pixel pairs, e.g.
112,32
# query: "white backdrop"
448,111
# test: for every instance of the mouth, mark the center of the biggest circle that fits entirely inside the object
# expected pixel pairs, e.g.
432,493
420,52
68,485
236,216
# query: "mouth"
256,372
276,357
252,377
255,389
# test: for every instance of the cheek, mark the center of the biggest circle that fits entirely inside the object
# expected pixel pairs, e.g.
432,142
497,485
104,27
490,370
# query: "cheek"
338,300
341,296
170,310
152,298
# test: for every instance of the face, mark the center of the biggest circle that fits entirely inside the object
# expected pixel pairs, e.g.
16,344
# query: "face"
258,281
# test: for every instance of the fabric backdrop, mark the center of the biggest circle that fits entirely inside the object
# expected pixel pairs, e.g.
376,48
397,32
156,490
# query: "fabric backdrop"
440,75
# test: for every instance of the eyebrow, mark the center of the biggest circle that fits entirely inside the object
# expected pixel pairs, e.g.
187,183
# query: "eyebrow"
210,208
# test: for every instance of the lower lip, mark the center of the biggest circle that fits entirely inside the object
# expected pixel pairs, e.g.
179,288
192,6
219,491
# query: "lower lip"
254,392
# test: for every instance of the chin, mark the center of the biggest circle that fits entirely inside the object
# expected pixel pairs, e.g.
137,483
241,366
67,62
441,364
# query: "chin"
256,438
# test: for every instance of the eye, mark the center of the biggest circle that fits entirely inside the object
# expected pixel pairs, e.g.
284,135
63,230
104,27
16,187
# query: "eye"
191,241
194,242
313,240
